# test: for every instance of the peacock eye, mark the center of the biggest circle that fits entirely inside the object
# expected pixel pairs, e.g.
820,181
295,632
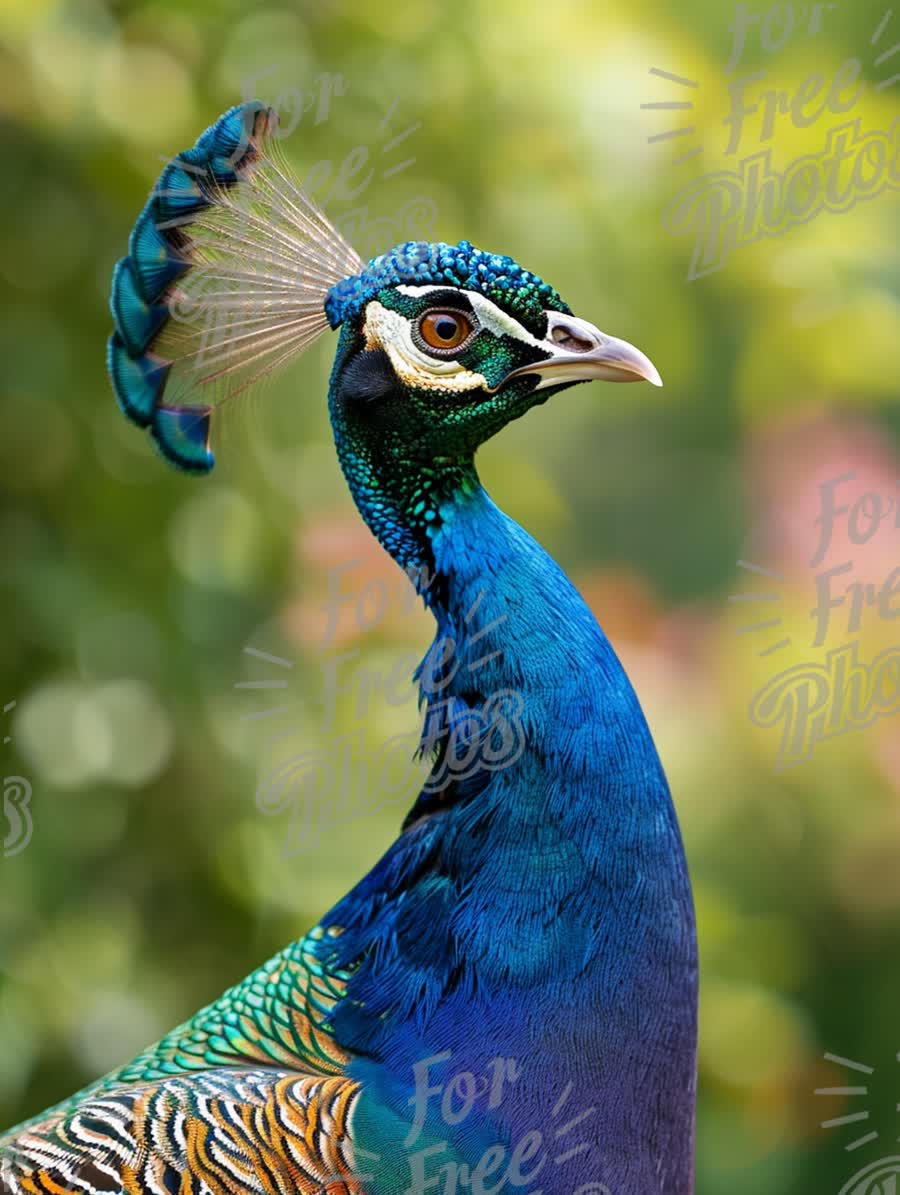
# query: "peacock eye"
444,330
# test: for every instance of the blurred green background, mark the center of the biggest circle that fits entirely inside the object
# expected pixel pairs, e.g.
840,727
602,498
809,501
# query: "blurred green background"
154,877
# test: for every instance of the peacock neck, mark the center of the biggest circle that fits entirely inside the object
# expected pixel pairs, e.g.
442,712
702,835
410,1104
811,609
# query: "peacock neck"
399,489
545,887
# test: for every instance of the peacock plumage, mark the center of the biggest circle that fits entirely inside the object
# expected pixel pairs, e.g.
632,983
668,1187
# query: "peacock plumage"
507,1001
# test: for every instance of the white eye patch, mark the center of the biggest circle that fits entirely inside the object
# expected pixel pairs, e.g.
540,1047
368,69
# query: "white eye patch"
391,331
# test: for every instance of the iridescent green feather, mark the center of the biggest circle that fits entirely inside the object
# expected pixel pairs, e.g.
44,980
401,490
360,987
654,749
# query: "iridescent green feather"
277,1016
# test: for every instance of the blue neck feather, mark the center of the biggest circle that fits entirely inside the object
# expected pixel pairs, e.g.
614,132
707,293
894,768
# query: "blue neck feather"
540,911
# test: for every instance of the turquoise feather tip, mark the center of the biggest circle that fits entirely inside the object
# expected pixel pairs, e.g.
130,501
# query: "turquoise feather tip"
182,436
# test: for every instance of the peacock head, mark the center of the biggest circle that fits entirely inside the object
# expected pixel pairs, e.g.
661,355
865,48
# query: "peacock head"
442,345
232,270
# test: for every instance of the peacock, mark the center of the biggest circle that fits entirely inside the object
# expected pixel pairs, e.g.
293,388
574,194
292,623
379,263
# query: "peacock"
508,999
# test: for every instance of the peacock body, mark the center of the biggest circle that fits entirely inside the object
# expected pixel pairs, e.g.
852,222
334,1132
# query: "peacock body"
507,1001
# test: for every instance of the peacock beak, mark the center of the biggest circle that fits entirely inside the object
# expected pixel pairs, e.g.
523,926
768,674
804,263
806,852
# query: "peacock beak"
581,352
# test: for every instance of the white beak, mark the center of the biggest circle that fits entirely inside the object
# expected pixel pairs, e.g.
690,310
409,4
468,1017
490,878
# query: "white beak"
581,352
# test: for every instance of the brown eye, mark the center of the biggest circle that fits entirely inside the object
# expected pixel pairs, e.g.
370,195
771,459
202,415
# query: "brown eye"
445,329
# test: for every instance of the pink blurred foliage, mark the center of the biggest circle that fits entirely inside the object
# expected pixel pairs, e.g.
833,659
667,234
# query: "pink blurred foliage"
667,653
346,575
789,460
886,751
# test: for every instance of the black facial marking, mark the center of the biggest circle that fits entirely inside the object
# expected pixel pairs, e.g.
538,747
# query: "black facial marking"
368,377
447,298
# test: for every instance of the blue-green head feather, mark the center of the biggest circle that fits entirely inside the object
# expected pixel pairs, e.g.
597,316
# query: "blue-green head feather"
461,266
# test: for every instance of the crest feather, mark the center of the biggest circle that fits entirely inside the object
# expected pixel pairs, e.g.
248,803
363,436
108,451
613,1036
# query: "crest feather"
229,266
